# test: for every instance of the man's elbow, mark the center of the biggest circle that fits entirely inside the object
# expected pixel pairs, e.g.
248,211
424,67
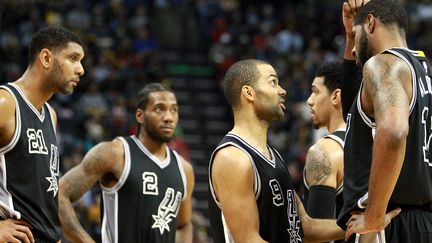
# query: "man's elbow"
394,134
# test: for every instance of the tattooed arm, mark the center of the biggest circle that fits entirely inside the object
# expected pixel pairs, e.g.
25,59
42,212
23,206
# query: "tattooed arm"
101,161
386,96
323,173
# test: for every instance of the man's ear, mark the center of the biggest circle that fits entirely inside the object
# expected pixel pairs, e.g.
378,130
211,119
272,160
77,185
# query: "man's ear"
46,58
139,115
370,23
336,96
248,92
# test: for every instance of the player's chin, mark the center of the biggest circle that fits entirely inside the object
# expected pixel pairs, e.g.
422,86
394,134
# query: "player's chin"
68,90
166,137
280,115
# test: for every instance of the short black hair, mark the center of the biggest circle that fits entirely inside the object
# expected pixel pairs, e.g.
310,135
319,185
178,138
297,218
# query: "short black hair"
332,74
241,73
143,95
389,12
52,38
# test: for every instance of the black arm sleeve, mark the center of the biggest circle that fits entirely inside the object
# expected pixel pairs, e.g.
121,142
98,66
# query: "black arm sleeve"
350,85
321,202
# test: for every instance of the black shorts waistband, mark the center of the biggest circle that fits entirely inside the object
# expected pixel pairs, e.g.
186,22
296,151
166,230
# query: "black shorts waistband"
424,207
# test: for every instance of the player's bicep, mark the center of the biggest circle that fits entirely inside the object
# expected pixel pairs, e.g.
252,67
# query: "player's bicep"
386,92
7,117
233,178
82,177
318,168
185,211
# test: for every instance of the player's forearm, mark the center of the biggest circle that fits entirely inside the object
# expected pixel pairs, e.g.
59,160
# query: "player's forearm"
72,228
319,230
387,161
184,234
349,45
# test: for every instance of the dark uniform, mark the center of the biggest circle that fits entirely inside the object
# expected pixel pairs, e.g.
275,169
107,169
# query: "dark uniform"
29,169
143,205
274,192
413,190
339,137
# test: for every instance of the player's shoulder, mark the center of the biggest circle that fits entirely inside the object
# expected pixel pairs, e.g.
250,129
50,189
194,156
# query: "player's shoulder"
386,63
231,157
6,100
187,166
109,149
7,108
325,145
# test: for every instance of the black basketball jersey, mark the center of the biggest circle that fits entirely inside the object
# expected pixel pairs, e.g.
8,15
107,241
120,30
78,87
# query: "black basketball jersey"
414,185
29,169
339,137
274,193
143,206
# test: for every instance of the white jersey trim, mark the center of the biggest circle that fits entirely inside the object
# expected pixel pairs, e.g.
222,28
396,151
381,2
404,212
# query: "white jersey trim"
17,131
366,119
182,173
110,234
257,181
6,202
227,233
51,112
126,169
162,164
271,162
40,115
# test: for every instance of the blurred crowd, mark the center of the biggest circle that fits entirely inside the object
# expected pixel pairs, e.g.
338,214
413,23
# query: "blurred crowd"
122,55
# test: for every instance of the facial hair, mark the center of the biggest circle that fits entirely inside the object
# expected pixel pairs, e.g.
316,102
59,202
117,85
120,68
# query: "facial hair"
267,111
365,52
316,125
152,132
57,80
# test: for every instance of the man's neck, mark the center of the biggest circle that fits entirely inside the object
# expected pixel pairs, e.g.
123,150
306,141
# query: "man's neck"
156,148
336,122
254,132
30,84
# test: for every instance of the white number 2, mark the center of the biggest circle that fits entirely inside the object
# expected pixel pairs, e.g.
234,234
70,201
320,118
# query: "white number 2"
150,183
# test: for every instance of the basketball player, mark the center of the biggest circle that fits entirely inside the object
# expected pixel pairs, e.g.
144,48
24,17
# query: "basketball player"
28,148
323,173
387,154
146,186
252,198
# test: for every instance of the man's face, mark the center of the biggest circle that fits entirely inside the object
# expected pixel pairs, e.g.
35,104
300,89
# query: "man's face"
270,96
66,69
362,49
161,116
319,103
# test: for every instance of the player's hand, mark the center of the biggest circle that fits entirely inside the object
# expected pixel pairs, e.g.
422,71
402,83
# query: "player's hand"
349,11
356,224
15,231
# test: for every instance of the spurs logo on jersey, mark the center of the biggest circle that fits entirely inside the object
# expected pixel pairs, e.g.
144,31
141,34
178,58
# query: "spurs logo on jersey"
293,218
167,210
54,170
425,86
278,200
36,141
